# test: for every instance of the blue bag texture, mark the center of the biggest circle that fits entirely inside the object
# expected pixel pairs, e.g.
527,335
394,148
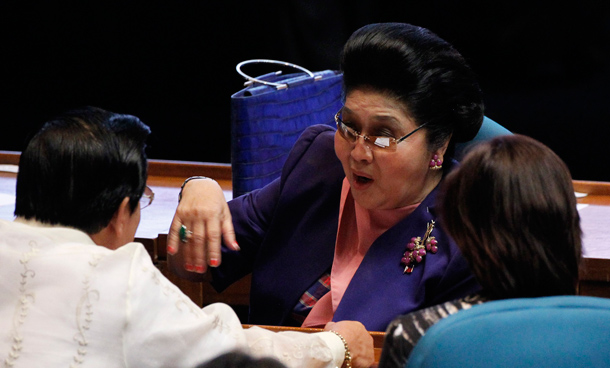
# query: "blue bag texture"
266,122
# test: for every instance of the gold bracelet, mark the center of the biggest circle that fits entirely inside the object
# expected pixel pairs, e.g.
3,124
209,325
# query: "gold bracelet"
347,360
186,181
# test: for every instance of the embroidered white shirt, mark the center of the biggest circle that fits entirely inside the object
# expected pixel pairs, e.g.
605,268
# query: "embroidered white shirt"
66,302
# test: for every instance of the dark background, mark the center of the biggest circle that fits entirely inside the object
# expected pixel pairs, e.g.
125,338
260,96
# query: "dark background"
544,66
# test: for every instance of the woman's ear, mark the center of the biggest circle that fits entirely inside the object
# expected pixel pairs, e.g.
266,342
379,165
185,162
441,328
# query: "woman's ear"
437,156
440,151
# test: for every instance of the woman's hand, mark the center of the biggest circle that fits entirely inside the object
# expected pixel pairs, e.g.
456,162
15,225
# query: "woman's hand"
204,213
359,341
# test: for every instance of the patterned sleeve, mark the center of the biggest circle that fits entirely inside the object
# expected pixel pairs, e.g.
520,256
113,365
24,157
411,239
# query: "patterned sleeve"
405,331
165,328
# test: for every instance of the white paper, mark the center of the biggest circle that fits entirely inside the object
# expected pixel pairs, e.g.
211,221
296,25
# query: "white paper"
6,199
9,168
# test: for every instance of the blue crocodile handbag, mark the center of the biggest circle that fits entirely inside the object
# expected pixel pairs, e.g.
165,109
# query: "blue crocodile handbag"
269,115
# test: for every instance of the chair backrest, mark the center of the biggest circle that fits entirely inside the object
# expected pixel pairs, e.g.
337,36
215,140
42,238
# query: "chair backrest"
560,331
488,130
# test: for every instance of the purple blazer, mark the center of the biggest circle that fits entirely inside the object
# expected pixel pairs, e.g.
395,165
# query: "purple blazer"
287,233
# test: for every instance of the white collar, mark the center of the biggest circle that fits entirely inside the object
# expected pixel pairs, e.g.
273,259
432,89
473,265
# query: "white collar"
55,232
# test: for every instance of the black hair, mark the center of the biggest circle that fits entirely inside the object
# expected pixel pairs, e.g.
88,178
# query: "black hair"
239,359
79,166
423,72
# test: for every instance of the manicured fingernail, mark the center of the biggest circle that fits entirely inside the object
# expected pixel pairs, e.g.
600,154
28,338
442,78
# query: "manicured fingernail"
214,262
199,269
189,267
171,250
235,246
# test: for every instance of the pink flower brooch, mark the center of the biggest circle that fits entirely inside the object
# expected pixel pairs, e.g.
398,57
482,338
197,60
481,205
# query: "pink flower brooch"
417,249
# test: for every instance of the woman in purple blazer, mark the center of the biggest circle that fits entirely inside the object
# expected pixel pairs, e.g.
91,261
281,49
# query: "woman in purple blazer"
349,231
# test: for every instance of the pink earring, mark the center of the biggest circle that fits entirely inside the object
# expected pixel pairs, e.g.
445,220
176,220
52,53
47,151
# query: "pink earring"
436,163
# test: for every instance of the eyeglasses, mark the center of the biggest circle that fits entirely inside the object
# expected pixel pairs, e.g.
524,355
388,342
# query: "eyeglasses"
372,141
147,198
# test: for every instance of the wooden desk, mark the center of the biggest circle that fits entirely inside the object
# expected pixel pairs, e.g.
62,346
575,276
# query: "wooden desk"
165,178
595,224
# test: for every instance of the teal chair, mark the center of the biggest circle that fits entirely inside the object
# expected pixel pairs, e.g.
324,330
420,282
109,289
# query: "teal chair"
557,332
488,130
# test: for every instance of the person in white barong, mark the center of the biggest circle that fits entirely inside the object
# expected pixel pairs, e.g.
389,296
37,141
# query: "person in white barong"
76,291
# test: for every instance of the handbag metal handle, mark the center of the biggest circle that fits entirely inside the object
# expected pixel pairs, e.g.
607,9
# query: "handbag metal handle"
276,85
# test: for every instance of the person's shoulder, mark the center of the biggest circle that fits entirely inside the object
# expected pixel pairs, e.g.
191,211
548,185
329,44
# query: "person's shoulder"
320,128
134,251
125,260
315,133
319,136
316,143
132,264
434,313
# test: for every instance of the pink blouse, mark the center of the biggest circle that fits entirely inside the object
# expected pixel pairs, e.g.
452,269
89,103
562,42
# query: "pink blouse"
358,229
